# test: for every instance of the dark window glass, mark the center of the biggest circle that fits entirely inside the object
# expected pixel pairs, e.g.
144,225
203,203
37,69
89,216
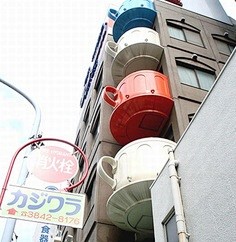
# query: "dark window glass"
190,117
65,236
80,157
95,124
77,142
98,82
169,134
86,113
171,229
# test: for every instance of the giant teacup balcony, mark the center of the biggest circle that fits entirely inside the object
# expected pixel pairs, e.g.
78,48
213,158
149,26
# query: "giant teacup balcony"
137,49
134,168
142,104
132,14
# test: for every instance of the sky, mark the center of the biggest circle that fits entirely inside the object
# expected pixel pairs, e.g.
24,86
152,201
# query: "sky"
45,51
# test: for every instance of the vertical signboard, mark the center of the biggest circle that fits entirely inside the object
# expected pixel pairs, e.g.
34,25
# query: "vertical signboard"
44,233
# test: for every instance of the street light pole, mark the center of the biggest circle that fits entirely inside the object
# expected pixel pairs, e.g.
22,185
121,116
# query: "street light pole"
10,223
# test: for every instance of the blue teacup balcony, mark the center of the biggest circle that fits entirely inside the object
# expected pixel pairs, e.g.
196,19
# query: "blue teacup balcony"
132,14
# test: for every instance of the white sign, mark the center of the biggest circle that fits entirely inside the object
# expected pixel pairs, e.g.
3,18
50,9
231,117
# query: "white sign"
52,207
45,233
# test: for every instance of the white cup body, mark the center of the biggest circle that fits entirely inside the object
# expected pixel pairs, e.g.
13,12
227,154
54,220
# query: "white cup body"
139,160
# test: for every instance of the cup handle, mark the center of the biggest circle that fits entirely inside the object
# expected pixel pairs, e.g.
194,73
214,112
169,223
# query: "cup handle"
112,13
101,172
115,94
111,48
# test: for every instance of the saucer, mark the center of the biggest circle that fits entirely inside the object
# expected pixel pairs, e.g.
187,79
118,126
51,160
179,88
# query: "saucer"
135,57
130,207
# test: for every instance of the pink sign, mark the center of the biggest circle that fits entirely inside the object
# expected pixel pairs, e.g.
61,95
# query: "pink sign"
52,164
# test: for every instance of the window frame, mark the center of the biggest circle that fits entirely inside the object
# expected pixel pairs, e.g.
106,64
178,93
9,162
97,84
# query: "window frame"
190,117
228,44
90,182
80,157
168,218
169,133
184,27
94,130
77,141
195,70
86,113
98,82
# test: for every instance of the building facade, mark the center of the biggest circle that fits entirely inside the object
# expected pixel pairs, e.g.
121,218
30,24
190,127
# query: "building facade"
205,157
153,65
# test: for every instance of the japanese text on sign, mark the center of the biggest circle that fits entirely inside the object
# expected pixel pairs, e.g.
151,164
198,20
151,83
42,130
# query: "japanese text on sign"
44,206
44,233
52,164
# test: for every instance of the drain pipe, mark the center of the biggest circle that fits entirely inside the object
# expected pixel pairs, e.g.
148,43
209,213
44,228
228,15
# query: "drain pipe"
178,205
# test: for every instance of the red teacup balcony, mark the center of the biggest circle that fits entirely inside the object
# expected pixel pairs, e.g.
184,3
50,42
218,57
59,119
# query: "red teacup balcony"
142,104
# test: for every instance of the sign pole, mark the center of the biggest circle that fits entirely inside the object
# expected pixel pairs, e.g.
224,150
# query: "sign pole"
7,178
35,141
10,223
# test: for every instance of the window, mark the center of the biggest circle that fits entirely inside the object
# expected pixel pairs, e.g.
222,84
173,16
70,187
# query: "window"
177,33
171,228
196,77
224,43
190,117
86,113
95,124
65,236
77,141
98,82
224,47
89,188
80,157
181,31
169,134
